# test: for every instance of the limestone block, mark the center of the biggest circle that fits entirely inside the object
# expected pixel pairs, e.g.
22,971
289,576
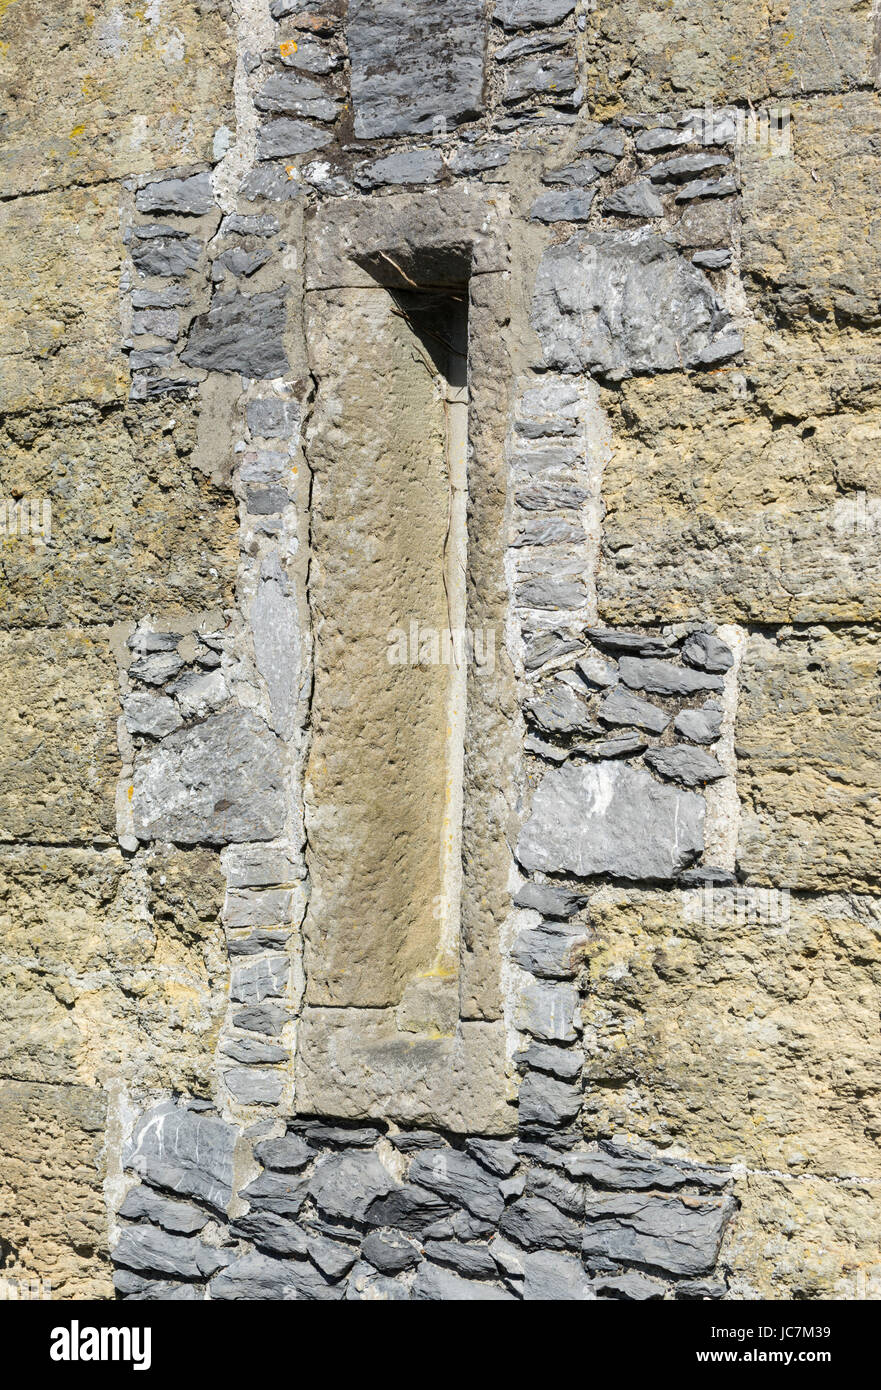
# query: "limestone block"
60,258
784,532
354,1063
96,94
130,515
644,57
52,1213
809,768
93,985
804,1238
58,755
736,1032
817,261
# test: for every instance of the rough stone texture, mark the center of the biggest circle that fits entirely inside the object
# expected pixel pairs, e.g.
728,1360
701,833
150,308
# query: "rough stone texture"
610,820
670,1057
807,759
216,784
616,304
186,1151
240,333
443,79
111,93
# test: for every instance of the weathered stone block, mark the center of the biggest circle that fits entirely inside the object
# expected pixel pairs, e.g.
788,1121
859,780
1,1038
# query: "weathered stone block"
609,819
216,783
679,1236
185,1151
112,93
240,333
620,303
442,81
809,773
707,1011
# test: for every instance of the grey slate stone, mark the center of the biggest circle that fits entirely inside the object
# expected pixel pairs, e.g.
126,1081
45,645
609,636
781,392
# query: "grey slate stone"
442,78
596,672
185,1151
320,1134
240,333
191,195
581,174
666,1233
258,1276
550,950
166,298
254,1085
252,1052
151,1250
434,1283
286,137
547,1011
267,1018
471,1261
691,766
636,643
459,1179
477,161
271,1232
559,709
699,725
546,1101
162,323
276,631
549,77
333,1257
531,14
169,255
555,1278
707,653
564,1062
622,746
547,531
620,707
286,93
466,1227
261,909
496,1155
288,1154
553,1187
550,899
606,140
633,1287
154,668
143,1204
707,874
683,167
711,260
216,783
610,818
570,205
412,1209
402,167
634,200
367,1284
271,417
343,1186
618,1167
280,1193
620,303
155,715
390,1252
662,138
663,678
263,978
537,1224
707,188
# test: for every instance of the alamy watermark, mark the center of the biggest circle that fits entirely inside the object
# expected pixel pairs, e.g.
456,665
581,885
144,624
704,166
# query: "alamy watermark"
29,518
430,646
769,128
745,906
29,1290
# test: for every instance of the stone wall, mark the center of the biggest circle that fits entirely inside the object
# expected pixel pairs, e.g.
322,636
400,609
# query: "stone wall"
337,962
